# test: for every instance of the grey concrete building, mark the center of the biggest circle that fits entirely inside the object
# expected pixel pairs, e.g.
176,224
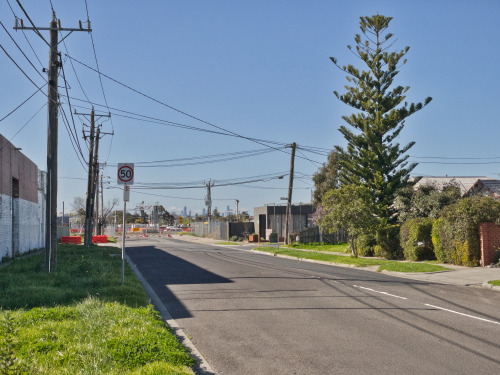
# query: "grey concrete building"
272,218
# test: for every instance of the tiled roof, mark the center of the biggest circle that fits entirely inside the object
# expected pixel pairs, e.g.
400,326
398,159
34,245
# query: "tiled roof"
464,182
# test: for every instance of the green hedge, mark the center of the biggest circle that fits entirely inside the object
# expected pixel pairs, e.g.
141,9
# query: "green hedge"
455,235
365,245
416,239
388,245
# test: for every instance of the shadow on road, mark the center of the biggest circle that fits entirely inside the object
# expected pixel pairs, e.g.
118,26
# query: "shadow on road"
161,269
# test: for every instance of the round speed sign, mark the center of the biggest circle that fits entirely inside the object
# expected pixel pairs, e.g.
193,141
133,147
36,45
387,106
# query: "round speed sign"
125,174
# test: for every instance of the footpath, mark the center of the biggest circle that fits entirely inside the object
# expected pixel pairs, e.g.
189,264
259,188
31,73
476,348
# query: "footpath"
457,275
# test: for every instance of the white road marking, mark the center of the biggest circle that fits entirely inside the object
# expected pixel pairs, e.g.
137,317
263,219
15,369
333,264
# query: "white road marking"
376,291
467,315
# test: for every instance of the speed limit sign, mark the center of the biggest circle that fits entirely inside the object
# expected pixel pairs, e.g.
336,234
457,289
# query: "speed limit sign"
125,173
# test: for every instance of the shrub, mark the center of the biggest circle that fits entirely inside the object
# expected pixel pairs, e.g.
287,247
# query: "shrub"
236,239
416,241
388,245
365,245
456,234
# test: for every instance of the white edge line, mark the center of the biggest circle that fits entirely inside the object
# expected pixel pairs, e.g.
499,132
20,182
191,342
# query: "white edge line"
203,365
376,291
459,313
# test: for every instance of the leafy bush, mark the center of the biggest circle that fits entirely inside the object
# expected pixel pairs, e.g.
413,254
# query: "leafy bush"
366,244
455,235
426,201
388,246
236,239
416,239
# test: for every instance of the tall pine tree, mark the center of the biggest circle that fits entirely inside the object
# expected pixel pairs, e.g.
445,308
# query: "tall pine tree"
373,157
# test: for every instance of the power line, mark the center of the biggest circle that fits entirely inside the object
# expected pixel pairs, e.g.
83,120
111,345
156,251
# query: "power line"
171,107
100,79
32,24
20,49
22,71
235,156
26,123
20,105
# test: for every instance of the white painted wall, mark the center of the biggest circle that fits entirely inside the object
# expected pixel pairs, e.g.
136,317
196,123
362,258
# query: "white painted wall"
31,223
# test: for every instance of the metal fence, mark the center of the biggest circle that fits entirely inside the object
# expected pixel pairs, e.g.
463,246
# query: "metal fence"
315,234
220,230
217,231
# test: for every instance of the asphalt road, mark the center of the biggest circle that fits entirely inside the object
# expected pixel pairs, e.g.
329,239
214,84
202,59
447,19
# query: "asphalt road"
256,314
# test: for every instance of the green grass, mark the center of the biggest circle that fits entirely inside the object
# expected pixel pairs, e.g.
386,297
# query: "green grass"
495,282
112,239
81,320
335,248
411,267
389,265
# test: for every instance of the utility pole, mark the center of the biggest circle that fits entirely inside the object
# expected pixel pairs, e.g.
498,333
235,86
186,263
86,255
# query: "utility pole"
102,204
93,175
290,189
52,133
237,211
208,200
95,180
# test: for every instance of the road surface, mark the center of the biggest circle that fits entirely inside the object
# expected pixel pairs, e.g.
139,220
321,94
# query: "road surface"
249,313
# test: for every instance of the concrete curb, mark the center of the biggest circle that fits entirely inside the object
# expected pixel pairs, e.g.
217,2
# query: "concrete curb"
487,285
203,367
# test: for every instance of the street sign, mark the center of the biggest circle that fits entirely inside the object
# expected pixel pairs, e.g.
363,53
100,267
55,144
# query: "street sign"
180,219
125,173
126,193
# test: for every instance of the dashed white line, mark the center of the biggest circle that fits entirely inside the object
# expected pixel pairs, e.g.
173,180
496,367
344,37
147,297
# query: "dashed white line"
376,291
459,313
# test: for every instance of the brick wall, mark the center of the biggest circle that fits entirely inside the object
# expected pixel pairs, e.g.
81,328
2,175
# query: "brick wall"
22,216
490,243
14,164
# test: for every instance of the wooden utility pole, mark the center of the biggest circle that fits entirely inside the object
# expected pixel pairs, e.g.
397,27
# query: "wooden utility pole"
237,211
93,175
290,190
208,200
52,133
102,206
88,213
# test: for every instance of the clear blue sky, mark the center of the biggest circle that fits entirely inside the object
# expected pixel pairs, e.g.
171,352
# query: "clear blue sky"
259,69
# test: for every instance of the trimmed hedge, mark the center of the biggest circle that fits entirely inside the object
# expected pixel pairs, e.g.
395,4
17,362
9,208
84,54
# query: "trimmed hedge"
388,245
416,239
455,235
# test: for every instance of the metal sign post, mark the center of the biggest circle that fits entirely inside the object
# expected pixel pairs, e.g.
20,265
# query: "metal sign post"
125,177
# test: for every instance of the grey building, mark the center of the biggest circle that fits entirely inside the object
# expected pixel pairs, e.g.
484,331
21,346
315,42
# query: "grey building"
272,218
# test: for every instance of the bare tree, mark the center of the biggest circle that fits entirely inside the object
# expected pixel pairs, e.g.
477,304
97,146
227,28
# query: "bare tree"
106,211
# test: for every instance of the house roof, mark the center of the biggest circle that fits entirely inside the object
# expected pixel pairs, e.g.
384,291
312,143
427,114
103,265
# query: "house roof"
492,186
464,182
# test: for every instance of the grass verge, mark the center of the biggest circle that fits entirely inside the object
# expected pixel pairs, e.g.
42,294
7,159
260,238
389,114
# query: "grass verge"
81,320
389,265
335,248
495,282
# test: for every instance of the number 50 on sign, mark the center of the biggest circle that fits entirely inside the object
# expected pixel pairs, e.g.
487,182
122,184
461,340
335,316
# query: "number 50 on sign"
125,173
